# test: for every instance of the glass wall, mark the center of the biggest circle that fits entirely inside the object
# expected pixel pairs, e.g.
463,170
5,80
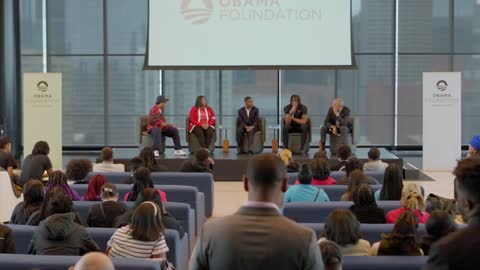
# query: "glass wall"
99,46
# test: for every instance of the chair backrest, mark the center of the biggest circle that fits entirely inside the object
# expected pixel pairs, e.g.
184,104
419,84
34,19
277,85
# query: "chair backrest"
384,262
8,200
318,212
178,253
337,175
335,192
22,262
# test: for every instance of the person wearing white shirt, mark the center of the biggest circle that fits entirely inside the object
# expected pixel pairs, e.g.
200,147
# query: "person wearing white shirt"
107,164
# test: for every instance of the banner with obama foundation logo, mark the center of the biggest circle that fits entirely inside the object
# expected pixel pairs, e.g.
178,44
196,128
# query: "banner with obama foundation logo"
42,113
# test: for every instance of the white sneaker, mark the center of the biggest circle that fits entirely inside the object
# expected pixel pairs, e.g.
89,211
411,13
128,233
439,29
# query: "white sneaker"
179,153
156,153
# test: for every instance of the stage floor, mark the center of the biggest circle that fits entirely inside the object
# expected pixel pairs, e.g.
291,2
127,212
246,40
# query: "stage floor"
231,167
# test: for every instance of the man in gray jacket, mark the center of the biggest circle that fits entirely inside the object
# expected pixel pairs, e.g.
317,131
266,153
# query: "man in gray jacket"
257,236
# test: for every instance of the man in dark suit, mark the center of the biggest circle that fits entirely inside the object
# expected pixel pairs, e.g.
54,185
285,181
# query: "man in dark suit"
247,122
257,236
459,250
337,123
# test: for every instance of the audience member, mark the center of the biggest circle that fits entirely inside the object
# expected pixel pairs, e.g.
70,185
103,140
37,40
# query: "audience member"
474,147
134,164
459,250
59,179
287,158
42,214
143,180
59,233
320,155
94,188
344,152
357,178
151,195
105,213
331,254
7,243
403,239
94,261
352,165
439,225
392,185
7,160
33,196
78,170
258,236
35,164
201,163
364,206
305,192
374,163
142,238
321,173
151,162
411,201
343,228
107,164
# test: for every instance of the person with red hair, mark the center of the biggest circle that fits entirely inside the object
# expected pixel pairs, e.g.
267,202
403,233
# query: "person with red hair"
95,188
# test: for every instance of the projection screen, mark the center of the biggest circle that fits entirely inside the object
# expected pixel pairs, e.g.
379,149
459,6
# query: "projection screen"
194,34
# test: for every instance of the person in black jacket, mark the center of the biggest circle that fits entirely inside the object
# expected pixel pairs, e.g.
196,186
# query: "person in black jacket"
247,122
337,123
150,195
105,213
7,244
295,120
364,206
59,234
201,163
33,196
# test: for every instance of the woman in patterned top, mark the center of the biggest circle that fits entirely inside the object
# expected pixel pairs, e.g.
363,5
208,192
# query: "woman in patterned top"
143,238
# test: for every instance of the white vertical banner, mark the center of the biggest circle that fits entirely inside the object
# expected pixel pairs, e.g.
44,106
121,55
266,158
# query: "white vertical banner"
442,120
42,113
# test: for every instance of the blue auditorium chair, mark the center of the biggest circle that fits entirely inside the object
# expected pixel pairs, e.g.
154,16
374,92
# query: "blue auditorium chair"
384,262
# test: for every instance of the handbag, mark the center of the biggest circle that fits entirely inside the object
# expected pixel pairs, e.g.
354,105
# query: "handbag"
435,202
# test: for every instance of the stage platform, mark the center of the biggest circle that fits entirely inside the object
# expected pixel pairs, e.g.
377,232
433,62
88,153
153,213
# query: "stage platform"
231,167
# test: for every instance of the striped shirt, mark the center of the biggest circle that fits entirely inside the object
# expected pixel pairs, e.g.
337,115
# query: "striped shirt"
124,246
305,193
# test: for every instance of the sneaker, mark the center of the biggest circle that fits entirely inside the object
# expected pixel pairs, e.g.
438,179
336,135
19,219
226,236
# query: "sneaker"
179,153
156,153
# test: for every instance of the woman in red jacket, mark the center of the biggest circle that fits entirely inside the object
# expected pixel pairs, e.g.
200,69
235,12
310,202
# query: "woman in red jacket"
202,122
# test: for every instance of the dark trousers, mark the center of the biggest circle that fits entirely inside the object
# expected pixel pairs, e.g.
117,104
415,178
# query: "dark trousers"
241,133
157,134
342,131
204,136
302,129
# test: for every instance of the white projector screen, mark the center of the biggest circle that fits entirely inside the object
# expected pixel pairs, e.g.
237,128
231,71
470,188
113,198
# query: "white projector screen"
191,34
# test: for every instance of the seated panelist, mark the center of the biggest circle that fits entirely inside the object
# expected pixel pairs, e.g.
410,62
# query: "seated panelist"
295,121
202,122
247,123
337,123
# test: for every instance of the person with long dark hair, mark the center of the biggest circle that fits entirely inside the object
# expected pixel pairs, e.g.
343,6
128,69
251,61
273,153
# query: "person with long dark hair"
59,179
364,206
331,254
35,164
59,233
202,122
353,164
94,188
158,127
151,163
357,178
143,238
150,195
142,180
403,239
295,121
343,228
42,213
392,184
105,213
439,225
33,196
